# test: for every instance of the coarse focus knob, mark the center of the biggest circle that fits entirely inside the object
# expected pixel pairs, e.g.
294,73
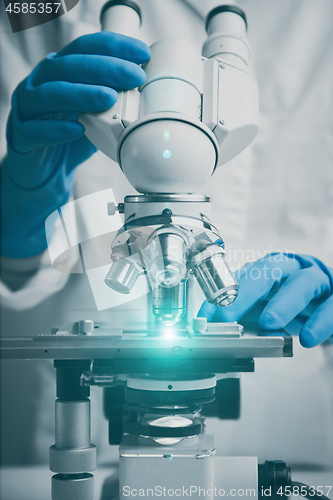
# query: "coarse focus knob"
112,208
70,487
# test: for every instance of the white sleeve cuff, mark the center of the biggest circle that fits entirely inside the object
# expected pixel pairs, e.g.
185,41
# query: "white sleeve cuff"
28,282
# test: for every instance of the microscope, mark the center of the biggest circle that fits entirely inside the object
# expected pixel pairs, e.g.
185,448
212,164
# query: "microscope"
194,113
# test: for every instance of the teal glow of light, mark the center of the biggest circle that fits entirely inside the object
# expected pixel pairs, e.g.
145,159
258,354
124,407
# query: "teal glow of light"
168,333
166,135
166,154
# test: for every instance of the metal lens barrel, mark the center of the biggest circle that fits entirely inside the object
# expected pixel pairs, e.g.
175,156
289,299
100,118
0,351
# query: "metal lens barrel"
169,303
123,274
214,276
168,259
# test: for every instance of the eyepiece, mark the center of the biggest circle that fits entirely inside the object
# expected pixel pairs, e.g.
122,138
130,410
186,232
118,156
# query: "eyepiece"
121,16
125,3
224,8
226,26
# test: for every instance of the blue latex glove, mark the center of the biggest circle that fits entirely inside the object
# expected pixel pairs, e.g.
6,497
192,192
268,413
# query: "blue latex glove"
301,284
45,140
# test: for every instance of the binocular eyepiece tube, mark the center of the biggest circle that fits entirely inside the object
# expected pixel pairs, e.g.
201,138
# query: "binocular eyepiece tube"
121,16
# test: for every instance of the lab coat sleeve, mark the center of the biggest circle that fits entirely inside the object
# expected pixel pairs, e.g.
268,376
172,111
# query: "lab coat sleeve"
28,282
81,235
328,353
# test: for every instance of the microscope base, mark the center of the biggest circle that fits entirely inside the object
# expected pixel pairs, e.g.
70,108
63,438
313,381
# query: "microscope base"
164,468
187,468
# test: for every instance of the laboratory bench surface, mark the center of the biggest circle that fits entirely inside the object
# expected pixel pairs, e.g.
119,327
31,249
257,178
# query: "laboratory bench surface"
33,483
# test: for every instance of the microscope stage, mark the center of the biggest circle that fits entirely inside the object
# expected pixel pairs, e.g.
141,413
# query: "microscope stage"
131,349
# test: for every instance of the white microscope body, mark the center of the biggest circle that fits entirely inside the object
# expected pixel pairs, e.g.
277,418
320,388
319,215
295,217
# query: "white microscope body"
191,115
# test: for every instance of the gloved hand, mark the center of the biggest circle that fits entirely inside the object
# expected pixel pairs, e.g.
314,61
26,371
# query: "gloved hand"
45,140
292,285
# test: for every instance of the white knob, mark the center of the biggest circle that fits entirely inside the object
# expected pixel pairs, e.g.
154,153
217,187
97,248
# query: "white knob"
199,325
112,208
86,326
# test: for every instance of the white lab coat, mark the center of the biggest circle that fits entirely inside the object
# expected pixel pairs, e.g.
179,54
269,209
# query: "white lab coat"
276,195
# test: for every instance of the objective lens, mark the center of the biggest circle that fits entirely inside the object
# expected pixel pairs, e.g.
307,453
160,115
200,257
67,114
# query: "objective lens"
123,275
168,259
214,276
169,303
168,277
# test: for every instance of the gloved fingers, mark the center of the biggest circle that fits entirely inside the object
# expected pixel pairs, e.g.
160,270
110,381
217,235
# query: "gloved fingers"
207,310
79,151
65,97
106,43
35,168
91,69
242,270
255,283
33,134
294,295
319,327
